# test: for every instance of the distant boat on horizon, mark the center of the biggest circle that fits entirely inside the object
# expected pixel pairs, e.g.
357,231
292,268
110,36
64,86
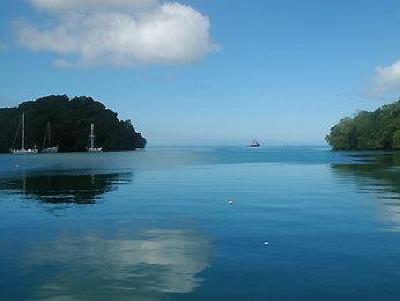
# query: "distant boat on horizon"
22,150
92,136
47,134
254,143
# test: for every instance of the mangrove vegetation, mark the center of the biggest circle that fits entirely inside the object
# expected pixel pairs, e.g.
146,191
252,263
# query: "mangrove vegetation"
377,130
70,120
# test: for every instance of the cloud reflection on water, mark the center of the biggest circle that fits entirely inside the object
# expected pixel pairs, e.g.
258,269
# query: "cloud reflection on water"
147,267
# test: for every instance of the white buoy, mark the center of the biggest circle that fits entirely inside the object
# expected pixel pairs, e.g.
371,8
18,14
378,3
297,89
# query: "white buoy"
230,202
266,243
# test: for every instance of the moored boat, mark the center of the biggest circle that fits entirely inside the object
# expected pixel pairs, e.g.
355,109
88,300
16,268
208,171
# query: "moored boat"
22,150
50,149
92,136
255,143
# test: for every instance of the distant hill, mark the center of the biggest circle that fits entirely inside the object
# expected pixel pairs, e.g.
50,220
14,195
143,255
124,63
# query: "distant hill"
70,123
378,130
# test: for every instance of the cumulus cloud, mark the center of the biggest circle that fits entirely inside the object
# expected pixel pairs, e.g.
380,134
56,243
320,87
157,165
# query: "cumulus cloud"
83,34
387,79
82,5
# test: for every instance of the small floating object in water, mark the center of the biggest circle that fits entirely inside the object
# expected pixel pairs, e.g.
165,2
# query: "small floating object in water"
230,202
266,243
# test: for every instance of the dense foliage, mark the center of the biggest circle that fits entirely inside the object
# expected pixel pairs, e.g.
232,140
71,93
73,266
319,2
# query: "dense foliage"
368,130
70,124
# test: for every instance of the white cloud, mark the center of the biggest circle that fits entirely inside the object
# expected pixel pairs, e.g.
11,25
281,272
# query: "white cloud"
81,5
387,79
168,33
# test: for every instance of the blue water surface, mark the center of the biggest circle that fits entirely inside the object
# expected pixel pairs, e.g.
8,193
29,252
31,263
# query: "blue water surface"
305,224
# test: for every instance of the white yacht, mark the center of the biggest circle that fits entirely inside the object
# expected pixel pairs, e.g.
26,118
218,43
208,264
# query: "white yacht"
47,134
255,143
22,150
92,148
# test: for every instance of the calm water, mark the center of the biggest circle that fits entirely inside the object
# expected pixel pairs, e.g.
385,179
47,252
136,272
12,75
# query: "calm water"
156,225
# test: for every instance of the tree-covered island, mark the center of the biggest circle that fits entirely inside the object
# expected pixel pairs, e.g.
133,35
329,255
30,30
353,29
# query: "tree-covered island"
70,120
378,130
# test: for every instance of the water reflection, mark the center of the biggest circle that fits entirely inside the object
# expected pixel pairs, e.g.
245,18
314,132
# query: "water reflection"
149,266
65,188
380,175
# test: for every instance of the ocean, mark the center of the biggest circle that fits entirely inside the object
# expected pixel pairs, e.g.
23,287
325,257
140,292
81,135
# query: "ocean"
201,223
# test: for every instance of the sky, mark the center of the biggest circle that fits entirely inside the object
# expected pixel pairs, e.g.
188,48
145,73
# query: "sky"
207,72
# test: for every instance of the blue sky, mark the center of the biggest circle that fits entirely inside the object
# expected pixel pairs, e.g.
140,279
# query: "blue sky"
279,71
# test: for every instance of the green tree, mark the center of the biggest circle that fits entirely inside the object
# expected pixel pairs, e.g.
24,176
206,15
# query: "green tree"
367,130
396,140
70,123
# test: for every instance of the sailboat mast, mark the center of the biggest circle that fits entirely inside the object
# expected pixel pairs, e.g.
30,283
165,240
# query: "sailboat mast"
44,138
92,136
49,129
23,131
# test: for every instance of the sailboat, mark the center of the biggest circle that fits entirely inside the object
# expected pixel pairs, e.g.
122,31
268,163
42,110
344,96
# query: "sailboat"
92,148
22,150
47,134
255,143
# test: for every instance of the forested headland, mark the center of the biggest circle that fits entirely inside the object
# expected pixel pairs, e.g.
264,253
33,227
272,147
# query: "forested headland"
377,130
70,120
